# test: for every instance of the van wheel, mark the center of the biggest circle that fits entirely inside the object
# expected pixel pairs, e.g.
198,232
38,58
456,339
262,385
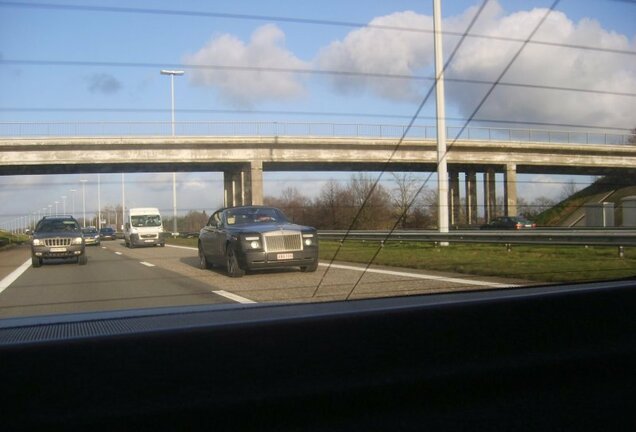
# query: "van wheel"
232,265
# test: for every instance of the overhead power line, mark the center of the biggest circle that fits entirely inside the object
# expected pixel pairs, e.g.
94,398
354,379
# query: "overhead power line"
298,20
303,71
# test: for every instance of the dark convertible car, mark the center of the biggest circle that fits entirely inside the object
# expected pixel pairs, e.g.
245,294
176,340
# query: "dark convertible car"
256,237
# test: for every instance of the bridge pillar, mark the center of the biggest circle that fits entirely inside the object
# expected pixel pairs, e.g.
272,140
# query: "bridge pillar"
453,192
471,197
233,188
510,189
244,185
490,198
256,182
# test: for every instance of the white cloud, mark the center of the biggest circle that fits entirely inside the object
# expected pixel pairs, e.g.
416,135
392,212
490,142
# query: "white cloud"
407,53
381,51
547,66
246,87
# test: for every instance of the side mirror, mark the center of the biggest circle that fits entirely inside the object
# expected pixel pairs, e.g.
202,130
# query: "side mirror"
28,232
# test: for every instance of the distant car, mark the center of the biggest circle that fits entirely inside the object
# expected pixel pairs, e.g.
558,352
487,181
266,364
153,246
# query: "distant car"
509,222
256,237
107,233
57,237
91,236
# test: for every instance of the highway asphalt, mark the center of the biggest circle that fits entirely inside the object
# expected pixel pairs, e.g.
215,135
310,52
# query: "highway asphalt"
118,278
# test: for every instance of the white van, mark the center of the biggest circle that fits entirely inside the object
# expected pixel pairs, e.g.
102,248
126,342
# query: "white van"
144,227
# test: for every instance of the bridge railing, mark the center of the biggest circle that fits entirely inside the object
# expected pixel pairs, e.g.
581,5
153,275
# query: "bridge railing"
301,129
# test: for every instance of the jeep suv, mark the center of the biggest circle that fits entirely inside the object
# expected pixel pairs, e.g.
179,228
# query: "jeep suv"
57,237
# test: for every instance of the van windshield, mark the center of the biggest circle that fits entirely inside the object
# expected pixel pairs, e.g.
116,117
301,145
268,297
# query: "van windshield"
145,221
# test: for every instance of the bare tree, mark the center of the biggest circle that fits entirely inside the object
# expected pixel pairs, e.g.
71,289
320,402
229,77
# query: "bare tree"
403,196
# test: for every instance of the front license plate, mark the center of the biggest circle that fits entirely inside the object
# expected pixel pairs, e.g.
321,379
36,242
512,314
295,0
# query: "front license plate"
285,256
148,241
58,249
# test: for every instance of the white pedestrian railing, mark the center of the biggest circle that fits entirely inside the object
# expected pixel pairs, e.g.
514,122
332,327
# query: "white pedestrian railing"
230,128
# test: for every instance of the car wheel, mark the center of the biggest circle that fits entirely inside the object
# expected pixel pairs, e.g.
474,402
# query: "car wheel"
232,265
36,261
204,264
162,244
82,259
310,268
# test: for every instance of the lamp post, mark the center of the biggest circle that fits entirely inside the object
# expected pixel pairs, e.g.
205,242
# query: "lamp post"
99,203
56,202
73,201
84,200
63,204
172,74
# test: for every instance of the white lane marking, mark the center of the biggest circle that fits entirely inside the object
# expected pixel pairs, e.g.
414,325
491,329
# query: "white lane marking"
104,247
9,279
405,274
422,276
236,298
118,253
147,264
182,247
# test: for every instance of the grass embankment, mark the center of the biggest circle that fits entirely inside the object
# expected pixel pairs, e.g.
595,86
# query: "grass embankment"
8,239
535,263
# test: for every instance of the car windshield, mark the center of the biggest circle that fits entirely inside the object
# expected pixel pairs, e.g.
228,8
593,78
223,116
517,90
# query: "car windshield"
89,231
298,152
146,221
254,215
52,226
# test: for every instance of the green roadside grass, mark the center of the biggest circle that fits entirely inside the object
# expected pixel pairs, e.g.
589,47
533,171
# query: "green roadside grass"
532,263
8,239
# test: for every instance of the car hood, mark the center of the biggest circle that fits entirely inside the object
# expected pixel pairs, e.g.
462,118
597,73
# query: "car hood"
71,234
264,228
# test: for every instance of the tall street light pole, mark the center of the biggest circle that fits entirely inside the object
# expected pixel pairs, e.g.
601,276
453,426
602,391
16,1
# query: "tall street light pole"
442,170
84,200
73,201
172,74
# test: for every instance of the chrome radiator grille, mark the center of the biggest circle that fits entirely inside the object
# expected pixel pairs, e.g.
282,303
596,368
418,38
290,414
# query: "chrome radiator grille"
282,241
57,241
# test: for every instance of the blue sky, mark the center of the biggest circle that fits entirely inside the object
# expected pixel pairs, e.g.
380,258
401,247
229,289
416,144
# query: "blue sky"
167,33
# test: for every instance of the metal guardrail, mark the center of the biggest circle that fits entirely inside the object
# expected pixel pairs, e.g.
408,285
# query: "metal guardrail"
221,128
619,238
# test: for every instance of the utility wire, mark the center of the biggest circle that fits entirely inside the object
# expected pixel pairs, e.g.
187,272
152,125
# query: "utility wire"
305,71
488,93
269,18
395,149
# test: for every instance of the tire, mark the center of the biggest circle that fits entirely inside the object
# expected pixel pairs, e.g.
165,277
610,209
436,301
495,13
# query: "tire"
310,268
36,261
231,263
204,264
82,259
162,244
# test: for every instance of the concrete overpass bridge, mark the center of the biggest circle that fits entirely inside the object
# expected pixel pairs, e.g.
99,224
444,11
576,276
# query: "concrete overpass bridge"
242,151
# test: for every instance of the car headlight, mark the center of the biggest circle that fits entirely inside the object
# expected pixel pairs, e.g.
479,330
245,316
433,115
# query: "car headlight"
77,240
254,242
37,242
308,239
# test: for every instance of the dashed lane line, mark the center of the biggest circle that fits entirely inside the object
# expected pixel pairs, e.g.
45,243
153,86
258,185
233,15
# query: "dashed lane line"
231,296
11,277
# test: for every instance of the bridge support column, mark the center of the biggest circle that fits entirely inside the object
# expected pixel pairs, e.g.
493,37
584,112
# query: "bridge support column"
244,185
233,188
453,198
490,198
471,197
256,183
510,189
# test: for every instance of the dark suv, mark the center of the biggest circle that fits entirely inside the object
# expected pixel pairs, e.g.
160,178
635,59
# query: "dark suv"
57,237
